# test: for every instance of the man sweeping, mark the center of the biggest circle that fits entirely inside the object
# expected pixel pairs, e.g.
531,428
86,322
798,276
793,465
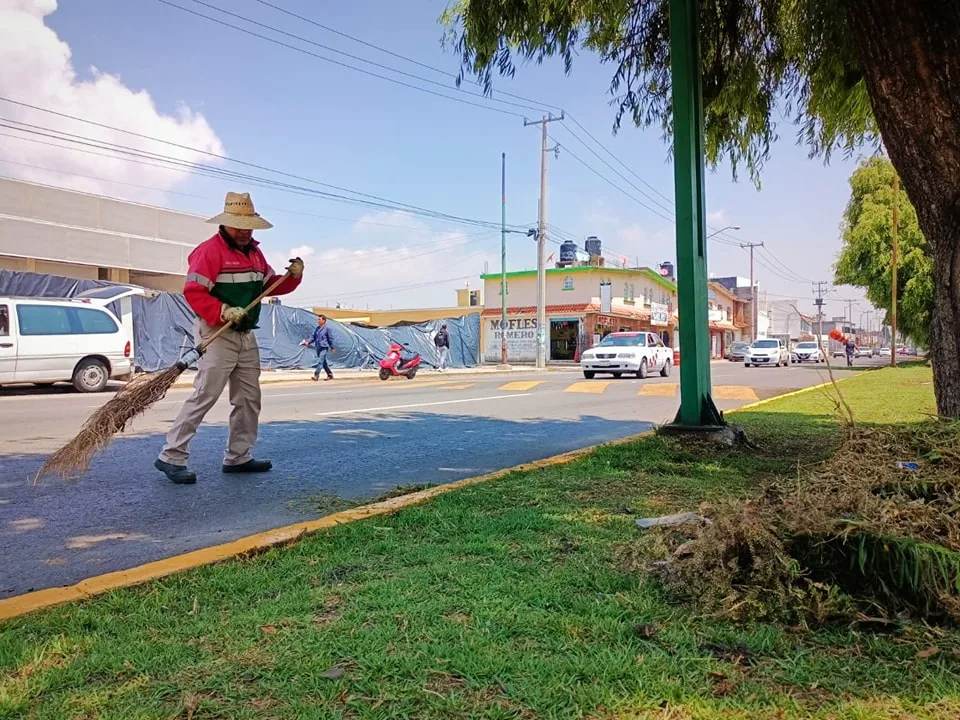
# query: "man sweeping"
226,273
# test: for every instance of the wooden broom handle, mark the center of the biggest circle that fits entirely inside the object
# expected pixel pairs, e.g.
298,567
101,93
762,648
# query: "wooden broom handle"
202,347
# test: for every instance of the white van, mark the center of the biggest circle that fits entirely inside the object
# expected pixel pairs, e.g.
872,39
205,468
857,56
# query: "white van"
78,340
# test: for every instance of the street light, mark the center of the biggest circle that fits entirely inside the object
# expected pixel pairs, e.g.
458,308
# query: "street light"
728,227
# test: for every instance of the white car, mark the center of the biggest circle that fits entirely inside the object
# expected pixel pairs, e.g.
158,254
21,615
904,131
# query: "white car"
767,352
628,353
806,352
885,352
862,352
45,341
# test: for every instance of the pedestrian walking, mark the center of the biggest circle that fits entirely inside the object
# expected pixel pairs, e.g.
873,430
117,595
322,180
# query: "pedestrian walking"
226,273
850,348
322,343
442,341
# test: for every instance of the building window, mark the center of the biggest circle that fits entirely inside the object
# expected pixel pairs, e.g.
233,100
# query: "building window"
568,283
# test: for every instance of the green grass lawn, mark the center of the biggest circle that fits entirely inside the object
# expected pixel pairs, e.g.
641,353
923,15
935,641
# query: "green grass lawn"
507,599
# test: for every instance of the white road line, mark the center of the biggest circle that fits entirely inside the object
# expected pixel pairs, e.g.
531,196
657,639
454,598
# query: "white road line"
418,405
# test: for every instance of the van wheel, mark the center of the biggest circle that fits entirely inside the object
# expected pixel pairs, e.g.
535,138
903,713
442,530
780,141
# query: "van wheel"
90,376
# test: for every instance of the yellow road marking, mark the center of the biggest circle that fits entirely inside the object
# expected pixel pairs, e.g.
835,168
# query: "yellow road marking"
591,387
458,387
734,392
520,385
659,390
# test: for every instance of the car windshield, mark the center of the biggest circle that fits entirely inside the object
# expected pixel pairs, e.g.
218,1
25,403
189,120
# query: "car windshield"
765,344
740,346
623,341
806,346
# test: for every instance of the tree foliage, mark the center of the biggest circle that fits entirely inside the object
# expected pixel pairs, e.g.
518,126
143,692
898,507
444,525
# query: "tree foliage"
865,260
762,59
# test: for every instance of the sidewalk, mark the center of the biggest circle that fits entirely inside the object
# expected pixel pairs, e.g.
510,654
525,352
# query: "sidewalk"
269,377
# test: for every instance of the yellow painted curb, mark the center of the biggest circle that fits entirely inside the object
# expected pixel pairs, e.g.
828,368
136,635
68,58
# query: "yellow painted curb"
253,544
801,391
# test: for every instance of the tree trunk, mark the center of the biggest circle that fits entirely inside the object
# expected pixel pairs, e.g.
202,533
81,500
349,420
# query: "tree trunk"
909,53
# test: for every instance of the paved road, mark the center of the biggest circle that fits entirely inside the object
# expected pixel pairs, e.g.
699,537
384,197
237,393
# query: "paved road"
346,439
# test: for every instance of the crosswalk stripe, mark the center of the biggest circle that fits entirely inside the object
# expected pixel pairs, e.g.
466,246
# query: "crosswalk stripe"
591,387
457,387
734,392
520,385
659,390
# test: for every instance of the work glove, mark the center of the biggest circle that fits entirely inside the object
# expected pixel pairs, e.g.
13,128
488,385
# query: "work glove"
189,358
296,268
232,315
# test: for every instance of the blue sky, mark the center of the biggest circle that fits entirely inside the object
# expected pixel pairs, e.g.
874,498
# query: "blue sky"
288,111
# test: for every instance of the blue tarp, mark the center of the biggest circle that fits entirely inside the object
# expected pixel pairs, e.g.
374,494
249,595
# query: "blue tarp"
163,327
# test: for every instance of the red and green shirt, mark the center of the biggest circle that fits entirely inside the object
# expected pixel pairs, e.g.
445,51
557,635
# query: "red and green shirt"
221,273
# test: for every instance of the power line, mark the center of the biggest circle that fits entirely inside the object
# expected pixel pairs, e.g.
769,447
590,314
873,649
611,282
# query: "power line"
610,182
654,200
303,51
376,201
624,165
397,55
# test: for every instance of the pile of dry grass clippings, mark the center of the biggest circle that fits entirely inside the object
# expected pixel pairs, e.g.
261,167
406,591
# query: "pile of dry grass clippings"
856,534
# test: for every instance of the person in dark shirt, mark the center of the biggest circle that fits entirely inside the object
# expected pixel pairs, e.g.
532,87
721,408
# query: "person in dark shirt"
442,341
323,344
851,348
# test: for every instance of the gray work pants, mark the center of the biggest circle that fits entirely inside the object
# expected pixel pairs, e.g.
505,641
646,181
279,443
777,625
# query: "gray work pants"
233,359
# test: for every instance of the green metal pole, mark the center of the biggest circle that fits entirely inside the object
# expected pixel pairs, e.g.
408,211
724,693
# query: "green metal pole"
696,404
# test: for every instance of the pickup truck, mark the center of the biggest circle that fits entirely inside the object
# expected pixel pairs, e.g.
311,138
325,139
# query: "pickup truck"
628,353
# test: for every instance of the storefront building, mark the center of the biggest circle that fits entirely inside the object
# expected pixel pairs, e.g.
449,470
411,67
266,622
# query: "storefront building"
728,317
583,304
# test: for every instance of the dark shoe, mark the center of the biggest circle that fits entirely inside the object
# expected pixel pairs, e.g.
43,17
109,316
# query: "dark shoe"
176,473
328,377
250,466
315,378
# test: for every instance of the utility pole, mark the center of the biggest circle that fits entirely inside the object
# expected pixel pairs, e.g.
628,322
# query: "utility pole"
753,288
503,259
542,238
850,313
820,285
893,265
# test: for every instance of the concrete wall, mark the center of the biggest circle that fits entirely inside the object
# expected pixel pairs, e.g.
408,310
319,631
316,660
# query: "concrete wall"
52,225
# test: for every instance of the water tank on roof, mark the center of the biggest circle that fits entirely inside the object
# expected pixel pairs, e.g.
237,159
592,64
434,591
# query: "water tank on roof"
568,252
666,270
593,246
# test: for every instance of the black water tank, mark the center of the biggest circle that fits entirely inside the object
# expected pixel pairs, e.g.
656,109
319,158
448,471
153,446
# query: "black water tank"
593,246
568,252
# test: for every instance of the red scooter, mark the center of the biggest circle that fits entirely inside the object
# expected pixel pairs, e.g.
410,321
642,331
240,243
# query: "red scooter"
394,364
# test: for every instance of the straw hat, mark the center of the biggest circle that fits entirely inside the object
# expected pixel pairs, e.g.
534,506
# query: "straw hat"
238,212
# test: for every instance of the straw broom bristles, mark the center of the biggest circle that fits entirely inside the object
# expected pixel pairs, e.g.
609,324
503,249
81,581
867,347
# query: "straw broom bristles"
130,401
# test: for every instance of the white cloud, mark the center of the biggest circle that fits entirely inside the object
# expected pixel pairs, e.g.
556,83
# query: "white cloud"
718,217
392,250
36,67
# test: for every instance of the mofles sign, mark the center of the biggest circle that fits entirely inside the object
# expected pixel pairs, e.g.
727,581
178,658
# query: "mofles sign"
521,337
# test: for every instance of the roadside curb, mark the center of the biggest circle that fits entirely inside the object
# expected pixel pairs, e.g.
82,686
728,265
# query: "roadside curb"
20,605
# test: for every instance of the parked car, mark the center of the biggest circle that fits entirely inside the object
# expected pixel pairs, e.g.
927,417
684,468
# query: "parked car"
738,351
885,352
863,352
806,352
633,353
44,341
767,352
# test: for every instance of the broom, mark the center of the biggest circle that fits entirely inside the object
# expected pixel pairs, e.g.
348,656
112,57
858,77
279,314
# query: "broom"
132,400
